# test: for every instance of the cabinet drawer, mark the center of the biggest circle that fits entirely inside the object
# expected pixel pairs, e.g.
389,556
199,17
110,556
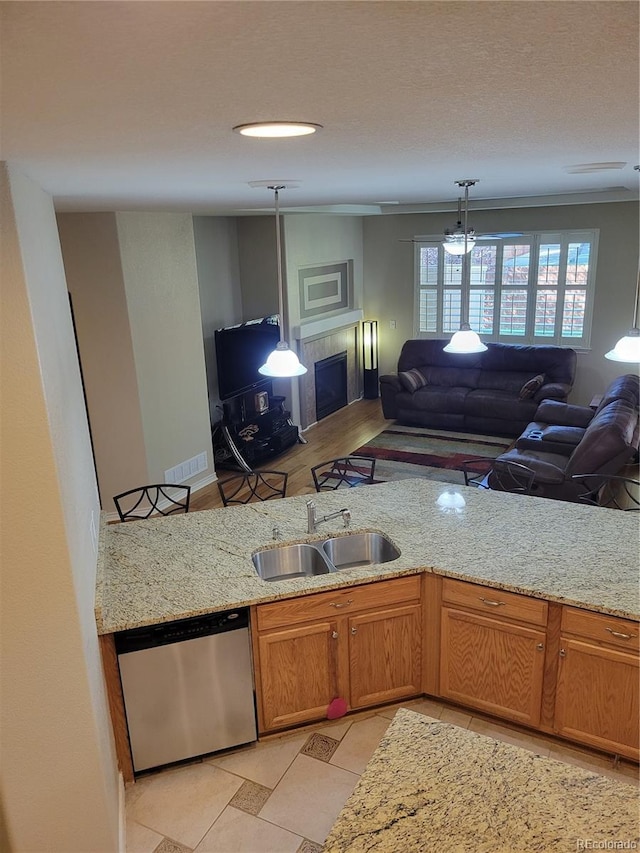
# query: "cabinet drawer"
323,605
501,604
621,633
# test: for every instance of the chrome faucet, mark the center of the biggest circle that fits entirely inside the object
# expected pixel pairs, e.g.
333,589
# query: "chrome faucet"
313,521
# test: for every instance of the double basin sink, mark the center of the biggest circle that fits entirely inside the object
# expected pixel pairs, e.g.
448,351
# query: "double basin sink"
328,555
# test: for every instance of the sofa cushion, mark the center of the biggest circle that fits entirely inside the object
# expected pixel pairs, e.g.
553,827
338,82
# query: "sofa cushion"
563,414
625,388
435,398
504,380
450,377
529,388
492,403
550,438
412,379
608,441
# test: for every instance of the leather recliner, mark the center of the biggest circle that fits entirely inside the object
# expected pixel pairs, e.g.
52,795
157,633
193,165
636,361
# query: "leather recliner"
565,441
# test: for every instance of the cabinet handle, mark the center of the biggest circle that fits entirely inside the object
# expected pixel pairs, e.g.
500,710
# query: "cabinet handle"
563,653
354,631
490,603
540,647
620,635
334,635
338,606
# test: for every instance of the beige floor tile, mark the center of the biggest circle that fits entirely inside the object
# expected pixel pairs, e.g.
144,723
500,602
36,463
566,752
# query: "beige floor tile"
532,742
455,717
428,707
183,804
243,833
335,729
629,771
309,798
359,744
264,763
140,839
388,713
594,762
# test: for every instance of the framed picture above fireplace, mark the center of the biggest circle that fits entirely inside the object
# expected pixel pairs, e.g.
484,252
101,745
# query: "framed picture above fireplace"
325,288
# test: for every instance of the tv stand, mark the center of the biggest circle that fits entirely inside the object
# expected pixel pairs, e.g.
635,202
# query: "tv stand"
244,440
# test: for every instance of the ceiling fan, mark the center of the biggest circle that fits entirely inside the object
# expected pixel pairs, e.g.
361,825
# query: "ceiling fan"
461,239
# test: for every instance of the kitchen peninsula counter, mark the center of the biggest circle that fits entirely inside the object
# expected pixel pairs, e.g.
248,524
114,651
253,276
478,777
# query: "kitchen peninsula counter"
433,786
175,567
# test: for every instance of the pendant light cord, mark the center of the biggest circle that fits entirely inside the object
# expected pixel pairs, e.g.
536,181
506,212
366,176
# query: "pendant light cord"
279,263
464,290
635,307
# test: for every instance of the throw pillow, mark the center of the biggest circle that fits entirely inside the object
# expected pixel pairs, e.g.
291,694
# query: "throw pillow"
529,388
412,379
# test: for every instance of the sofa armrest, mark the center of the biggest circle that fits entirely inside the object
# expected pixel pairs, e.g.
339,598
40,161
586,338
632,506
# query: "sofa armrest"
563,414
390,387
552,391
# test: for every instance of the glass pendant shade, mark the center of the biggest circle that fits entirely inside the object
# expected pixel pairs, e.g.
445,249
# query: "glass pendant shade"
465,341
282,362
455,244
627,349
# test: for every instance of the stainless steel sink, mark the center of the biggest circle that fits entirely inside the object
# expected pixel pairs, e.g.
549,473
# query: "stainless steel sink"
290,561
359,549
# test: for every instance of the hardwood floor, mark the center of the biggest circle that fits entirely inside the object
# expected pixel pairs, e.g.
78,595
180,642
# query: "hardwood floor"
336,435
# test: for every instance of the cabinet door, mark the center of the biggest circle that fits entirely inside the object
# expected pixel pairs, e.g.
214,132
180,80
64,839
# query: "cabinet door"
297,674
492,665
385,652
597,697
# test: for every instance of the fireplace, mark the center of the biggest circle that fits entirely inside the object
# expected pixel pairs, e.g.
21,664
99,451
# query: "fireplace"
331,384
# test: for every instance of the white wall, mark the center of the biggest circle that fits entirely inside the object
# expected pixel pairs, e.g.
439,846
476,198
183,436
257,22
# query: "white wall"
60,788
389,276
94,278
216,242
161,284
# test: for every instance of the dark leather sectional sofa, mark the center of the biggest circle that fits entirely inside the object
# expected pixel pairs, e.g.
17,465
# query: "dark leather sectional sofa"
482,392
566,441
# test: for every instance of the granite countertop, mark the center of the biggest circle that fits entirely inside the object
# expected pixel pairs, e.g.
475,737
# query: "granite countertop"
171,568
433,786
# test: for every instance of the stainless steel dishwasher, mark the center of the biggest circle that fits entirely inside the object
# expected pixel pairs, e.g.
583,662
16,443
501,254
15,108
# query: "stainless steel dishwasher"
188,687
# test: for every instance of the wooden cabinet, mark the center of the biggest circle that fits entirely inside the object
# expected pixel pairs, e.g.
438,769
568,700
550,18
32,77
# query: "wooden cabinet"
597,693
493,662
362,643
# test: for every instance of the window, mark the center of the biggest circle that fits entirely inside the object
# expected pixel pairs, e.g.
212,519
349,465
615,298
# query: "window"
535,289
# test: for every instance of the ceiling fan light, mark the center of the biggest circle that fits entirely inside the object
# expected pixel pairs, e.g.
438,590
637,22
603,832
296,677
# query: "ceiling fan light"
627,349
455,243
465,341
282,362
277,129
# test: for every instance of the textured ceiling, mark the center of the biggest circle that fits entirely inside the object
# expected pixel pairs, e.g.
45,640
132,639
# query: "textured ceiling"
130,105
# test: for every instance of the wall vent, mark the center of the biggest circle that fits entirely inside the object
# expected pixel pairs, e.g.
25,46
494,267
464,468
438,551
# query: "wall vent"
186,470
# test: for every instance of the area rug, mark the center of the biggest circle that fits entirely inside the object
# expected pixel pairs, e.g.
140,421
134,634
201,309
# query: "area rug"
403,452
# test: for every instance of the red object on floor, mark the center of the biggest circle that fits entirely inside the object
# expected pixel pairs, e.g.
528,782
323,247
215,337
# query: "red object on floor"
337,708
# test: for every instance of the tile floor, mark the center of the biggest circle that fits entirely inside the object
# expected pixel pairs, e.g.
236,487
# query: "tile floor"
283,795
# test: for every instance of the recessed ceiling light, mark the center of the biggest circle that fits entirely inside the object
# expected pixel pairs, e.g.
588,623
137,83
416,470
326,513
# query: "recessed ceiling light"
277,129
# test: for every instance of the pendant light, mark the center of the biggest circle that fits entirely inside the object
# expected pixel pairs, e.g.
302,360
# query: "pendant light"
281,362
628,348
465,340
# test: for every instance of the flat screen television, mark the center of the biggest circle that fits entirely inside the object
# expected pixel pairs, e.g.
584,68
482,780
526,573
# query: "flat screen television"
240,351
